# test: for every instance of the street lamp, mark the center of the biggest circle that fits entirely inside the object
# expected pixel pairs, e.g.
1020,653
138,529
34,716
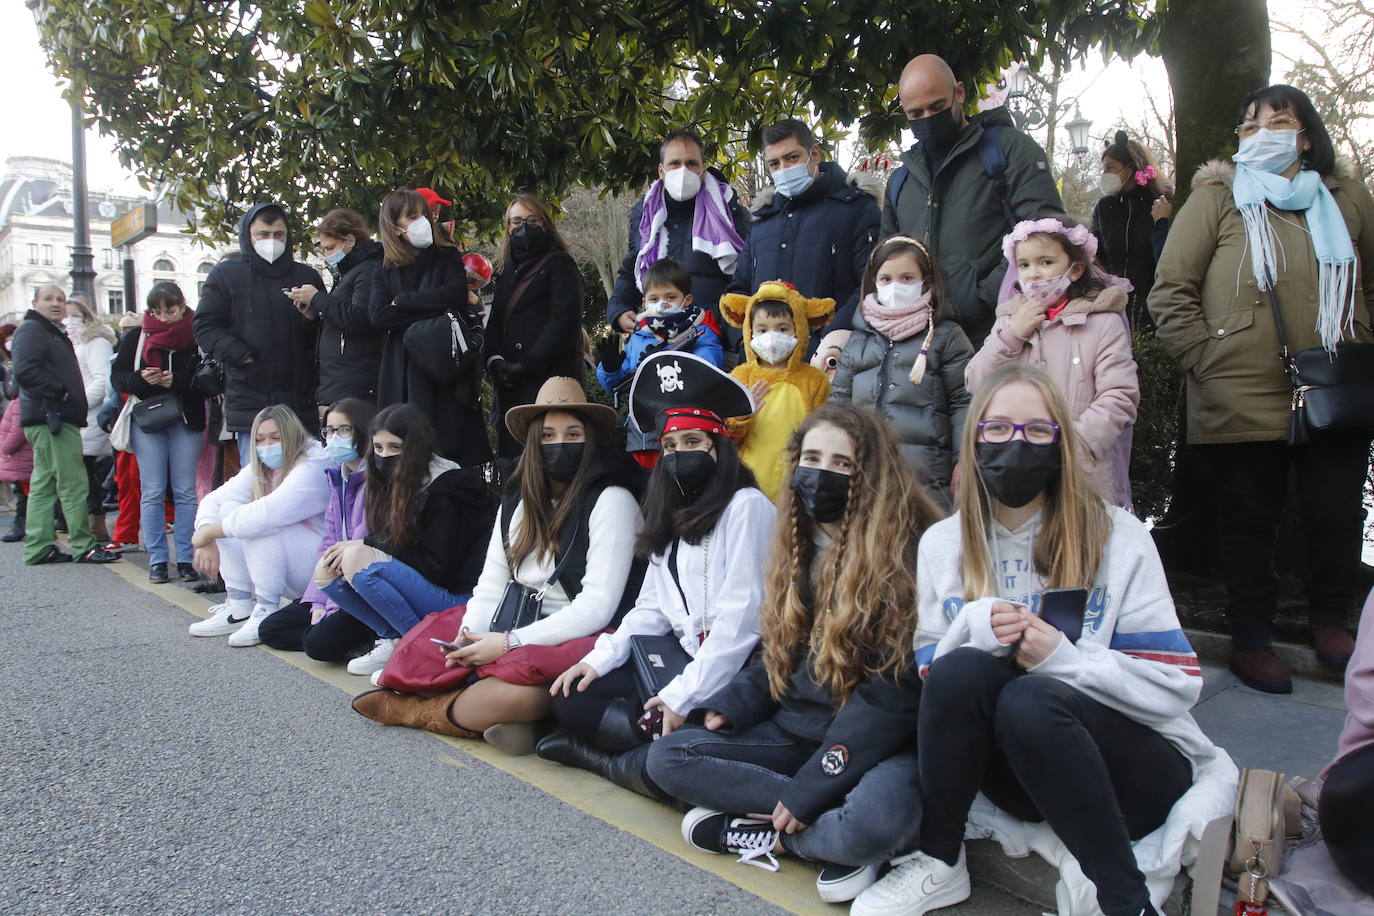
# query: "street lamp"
1078,133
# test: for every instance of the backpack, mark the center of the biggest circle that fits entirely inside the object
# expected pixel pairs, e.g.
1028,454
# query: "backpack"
994,160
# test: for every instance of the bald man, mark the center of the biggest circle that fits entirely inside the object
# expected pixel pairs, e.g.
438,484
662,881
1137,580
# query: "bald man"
962,186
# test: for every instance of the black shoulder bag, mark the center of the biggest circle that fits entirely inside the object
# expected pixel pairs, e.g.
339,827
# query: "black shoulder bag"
1331,391
521,605
659,659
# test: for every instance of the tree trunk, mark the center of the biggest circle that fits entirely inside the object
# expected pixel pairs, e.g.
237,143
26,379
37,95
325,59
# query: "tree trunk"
1217,53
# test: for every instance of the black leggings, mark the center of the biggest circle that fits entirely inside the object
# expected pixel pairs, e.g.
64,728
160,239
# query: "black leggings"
1040,749
97,469
336,638
581,712
1346,812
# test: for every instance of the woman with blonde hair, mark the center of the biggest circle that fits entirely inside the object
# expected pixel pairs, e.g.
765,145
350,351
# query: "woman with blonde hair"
261,530
94,342
817,730
1057,681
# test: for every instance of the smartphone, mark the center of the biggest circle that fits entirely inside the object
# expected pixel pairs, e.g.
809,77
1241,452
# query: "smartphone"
445,644
650,724
1062,608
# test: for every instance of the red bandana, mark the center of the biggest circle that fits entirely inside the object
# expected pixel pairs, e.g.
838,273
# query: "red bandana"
680,418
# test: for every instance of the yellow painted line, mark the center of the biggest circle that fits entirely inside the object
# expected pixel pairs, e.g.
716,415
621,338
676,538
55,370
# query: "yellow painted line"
792,887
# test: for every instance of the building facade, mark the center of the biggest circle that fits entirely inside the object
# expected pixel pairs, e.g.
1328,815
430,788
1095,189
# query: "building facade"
36,242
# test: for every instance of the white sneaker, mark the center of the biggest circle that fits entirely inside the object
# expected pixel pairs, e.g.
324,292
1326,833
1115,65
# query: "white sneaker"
917,884
247,635
375,660
376,678
224,619
842,883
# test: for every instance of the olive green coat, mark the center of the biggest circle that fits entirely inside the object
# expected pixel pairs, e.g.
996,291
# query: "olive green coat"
1219,326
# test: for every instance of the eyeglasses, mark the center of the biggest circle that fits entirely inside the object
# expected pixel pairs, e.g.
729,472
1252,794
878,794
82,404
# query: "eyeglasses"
515,222
1037,432
345,431
164,309
1279,122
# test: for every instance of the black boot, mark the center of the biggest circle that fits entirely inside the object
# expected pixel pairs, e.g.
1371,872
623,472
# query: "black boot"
16,532
626,770
617,730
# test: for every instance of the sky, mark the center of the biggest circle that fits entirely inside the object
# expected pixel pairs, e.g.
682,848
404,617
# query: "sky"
41,119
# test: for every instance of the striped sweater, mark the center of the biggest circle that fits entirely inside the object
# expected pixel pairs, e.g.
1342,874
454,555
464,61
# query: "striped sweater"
1132,655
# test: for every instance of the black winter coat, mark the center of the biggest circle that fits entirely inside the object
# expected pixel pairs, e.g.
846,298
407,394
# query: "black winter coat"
708,280
818,242
181,363
266,345
1129,242
433,283
349,347
450,535
877,721
49,376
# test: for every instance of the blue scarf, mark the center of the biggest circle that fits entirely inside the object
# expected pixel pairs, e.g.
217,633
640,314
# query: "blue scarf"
1330,240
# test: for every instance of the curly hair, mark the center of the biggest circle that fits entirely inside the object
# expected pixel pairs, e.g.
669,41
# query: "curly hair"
851,612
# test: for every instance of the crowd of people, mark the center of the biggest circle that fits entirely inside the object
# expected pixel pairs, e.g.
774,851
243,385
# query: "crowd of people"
868,549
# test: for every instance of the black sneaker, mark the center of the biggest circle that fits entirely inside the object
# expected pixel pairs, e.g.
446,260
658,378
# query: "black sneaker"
842,883
157,573
715,831
53,555
213,586
187,573
98,555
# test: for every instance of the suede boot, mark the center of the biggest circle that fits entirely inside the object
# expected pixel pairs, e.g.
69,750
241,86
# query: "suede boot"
411,710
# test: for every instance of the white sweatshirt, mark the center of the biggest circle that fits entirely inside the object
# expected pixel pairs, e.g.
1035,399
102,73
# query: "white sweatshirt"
94,357
1132,655
614,524
723,581
299,498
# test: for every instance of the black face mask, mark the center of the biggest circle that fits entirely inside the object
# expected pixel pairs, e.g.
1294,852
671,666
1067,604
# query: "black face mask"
937,132
691,470
823,494
1016,472
562,459
384,465
527,241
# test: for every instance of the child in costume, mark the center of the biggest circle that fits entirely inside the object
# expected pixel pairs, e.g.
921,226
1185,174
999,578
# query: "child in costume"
777,322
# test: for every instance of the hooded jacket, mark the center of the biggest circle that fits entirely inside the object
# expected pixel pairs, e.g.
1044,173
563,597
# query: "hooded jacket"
245,321
1086,349
819,242
299,496
16,453
928,418
957,212
1130,241
1219,326
349,348
433,283
49,376
345,519
94,351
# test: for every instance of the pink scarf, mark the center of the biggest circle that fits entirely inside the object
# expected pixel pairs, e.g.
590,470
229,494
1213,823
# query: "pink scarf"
896,323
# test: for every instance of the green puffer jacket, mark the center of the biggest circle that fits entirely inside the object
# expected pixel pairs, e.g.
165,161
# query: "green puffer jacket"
1214,320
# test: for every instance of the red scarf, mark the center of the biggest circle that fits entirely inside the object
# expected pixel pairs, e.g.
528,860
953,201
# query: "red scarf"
159,335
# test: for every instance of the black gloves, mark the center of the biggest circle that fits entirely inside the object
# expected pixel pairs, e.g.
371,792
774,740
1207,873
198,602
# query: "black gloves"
55,422
609,354
507,374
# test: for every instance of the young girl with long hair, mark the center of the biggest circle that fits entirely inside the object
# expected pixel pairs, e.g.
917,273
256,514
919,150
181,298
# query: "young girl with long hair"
706,532
261,530
426,520
817,730
565,529
1071,708
94,342
906,360
1068,317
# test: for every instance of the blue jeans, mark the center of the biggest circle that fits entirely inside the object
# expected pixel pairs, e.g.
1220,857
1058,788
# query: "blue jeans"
746,772
391,597
245,443
175,449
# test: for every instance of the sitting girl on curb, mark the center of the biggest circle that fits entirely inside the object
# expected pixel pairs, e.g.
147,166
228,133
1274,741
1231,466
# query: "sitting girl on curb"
706,533
816,733
261,530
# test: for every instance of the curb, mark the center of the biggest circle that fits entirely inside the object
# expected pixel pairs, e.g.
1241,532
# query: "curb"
1300,659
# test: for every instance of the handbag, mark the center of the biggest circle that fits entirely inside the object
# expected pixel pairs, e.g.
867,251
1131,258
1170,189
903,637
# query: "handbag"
446,347
1265,807
153,415
121,435
417,665
1331,391
209,376
659,659
521,605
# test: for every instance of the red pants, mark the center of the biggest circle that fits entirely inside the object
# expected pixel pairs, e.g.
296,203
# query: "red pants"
126,479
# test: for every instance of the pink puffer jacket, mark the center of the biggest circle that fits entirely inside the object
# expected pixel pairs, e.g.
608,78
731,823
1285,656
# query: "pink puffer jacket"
1086,349
16,454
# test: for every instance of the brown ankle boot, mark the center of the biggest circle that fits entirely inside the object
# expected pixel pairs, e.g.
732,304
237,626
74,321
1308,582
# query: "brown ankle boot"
1334,645
1261,669
411,710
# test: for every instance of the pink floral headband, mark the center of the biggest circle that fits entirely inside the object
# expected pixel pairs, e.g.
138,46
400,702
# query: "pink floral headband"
1079,235
1146,175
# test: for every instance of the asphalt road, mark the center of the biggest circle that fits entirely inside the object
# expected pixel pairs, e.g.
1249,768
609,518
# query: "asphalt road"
144,771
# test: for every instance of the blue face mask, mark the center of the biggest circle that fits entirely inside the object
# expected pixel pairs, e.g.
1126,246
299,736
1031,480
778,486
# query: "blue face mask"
1268,150
792,180
340,450
335,257
270,455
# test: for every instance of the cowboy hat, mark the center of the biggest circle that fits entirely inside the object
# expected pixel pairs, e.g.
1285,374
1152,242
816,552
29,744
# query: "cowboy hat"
559,393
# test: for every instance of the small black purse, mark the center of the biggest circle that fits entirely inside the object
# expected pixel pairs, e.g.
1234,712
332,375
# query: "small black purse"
521,605
154,414
208,378
447,348
1331,391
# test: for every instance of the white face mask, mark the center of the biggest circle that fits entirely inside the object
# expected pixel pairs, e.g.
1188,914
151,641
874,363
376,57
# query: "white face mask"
1268,150
773,346
1047,291
420,233
73,324
1110,183
681,183
269,249
901,295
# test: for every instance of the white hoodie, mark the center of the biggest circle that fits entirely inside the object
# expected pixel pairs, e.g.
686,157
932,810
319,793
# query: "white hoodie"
298,498
1132,655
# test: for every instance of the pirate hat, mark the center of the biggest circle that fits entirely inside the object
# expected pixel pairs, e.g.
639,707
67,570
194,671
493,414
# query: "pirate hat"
678,390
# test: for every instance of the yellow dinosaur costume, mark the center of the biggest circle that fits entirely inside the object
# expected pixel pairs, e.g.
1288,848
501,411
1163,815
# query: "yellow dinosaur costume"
793,392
